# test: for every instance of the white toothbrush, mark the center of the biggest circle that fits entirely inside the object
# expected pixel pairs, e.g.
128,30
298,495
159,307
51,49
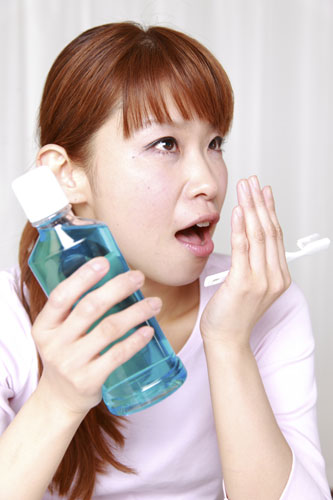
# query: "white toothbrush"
307,246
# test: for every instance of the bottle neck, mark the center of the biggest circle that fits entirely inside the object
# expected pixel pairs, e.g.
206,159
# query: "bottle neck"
61,217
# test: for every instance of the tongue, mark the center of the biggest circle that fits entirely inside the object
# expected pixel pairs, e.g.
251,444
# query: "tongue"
190,235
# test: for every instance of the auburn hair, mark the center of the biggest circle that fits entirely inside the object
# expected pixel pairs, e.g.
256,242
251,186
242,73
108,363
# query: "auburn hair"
116,65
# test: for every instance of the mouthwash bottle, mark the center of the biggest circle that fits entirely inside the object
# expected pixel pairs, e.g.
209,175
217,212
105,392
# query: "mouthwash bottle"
65,243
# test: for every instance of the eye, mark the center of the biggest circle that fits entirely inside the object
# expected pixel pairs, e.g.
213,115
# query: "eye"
217,143
164,145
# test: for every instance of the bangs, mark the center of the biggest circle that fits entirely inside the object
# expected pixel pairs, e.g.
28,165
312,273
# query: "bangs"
160,66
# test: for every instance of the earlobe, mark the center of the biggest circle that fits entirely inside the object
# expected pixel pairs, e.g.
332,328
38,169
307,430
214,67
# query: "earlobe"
72,178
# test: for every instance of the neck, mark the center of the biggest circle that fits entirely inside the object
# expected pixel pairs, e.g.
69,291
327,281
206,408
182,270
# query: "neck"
177,300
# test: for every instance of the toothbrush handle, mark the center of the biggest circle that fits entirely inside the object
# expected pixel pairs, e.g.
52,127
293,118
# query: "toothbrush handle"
215,279
290,256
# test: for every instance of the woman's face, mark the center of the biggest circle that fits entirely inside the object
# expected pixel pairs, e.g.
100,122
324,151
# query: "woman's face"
154,187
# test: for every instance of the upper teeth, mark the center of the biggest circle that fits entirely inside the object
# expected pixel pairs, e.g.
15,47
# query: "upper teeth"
202,224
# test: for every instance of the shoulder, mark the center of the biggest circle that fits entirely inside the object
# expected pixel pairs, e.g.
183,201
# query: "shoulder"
16,344
10,302
18,355
9,280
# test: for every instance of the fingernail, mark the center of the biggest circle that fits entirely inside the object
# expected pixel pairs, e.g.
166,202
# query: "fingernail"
155,303
254,182
99,264
245,187
268,191
136,277
147,331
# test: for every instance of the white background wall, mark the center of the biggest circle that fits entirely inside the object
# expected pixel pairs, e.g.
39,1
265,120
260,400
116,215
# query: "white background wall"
279,57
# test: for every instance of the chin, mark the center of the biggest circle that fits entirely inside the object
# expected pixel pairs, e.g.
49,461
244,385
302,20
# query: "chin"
180,274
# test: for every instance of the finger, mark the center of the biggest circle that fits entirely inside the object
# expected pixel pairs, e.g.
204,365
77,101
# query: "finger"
269,201
120,353
271,243
99,301
68,292
254,230
115,326
239,243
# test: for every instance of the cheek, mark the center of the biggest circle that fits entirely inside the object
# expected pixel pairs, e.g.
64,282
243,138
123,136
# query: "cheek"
144,205
153,204
222,181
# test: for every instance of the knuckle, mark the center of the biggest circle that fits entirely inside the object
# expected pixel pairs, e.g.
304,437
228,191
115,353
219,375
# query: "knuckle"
261,287
272,231
89,305
240,244
279,232
58,298
65,369
245,286
118,354
278,286
244,289
108,329
260,201
243,247
249,200
259,235
76,379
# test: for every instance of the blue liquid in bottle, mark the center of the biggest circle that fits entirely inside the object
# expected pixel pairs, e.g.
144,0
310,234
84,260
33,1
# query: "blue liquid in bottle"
65,243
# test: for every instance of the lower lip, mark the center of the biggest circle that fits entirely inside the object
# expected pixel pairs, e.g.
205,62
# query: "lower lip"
199,250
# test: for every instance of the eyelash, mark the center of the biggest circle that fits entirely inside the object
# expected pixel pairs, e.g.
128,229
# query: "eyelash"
162,141
172,140
221,142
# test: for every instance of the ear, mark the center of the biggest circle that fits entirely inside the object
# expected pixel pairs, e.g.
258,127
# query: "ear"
72,178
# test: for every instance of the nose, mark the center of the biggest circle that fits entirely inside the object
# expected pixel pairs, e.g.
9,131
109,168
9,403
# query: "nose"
202,177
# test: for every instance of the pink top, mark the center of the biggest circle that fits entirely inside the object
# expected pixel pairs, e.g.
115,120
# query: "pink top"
173,445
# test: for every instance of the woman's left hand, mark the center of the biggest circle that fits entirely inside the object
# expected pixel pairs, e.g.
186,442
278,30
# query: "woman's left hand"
259,273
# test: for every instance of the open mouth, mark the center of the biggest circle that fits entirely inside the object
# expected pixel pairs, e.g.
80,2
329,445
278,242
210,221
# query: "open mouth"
198,234
197,238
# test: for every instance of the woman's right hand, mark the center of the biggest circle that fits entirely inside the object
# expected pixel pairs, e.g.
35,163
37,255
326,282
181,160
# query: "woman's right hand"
73,368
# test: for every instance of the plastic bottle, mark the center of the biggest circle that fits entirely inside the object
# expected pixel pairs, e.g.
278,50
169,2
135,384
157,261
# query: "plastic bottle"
65,243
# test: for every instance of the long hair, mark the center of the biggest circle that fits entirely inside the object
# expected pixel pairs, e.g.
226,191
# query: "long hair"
116,65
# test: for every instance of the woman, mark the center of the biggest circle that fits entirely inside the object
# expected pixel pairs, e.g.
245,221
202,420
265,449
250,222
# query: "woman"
132,122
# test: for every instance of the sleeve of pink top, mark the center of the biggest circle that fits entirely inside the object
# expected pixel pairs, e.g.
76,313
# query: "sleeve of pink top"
283,345
17,352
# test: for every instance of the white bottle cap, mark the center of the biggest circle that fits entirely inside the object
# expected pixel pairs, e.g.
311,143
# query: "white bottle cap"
39,193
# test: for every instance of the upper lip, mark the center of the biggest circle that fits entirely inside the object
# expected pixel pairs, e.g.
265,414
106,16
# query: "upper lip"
212,218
